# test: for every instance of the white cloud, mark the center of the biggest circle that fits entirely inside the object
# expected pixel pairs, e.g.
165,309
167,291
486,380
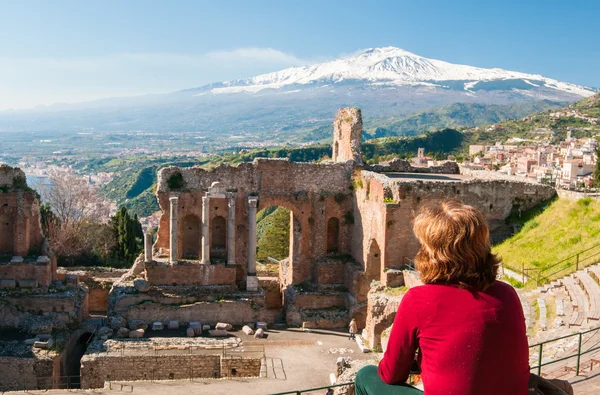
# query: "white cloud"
27,82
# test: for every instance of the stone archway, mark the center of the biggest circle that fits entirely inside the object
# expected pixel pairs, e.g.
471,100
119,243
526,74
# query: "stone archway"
373,262
333,235
191,237
218,245
6,235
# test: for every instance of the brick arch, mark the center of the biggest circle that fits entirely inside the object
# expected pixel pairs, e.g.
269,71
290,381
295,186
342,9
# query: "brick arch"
300,243
191,236
6,234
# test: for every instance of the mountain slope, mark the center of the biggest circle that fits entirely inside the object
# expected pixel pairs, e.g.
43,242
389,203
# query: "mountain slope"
393,66
290,104
457,116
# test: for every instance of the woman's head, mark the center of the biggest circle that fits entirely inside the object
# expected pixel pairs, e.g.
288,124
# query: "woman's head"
455,246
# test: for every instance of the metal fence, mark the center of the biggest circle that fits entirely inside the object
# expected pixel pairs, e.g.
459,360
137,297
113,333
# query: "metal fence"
585,342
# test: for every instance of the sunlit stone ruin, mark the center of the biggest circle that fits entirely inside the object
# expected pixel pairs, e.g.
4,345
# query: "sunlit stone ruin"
350,231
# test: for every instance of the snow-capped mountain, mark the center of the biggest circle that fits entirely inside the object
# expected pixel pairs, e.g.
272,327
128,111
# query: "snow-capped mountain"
299,103
391,66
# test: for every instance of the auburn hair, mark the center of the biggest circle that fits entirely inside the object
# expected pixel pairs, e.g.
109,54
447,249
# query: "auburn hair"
455,246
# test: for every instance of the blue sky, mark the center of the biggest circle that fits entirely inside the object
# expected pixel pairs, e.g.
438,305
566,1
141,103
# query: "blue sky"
68,51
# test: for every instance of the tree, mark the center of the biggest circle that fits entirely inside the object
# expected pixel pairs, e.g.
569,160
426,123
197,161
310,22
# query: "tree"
74,217
274,235
128,236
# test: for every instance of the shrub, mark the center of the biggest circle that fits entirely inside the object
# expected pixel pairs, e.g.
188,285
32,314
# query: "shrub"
175,181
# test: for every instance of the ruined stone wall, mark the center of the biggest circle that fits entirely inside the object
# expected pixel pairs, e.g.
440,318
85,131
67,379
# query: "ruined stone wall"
41,273
20,229
240,310
347,135
188,273
404,166
381,312
98,368
31,312
369,228
28,373
313,192
11,176
496,199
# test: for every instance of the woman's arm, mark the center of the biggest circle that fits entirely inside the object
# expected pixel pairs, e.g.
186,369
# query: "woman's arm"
394,368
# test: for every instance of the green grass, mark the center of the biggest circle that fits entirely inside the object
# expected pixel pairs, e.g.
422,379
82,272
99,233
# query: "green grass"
565,228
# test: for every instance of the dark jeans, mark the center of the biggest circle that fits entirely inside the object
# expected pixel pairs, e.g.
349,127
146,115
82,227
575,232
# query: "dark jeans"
368,382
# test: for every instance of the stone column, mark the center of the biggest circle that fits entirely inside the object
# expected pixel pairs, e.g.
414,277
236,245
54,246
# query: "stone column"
251,279
147,246
205,230
174,230
231,232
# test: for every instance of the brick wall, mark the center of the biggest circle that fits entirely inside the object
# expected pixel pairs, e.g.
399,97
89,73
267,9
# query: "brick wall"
96,369
42,272
28,373
188,273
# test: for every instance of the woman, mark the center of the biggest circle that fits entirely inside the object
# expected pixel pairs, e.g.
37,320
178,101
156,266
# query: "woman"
469,328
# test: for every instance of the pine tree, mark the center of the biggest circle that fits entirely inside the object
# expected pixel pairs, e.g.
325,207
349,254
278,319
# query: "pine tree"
127,233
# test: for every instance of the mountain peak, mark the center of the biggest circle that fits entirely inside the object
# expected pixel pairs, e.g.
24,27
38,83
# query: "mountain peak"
394,67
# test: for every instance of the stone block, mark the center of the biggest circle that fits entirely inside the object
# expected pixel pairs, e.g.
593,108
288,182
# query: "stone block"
117,322
247,330
43,259
137,324
197,327
141,285
223,326
123,332
218,333
190,332
8,283
261,325
173,324
259,334
361,345
45,345
252,283
28,283
205,327
136,334
16,259
157,326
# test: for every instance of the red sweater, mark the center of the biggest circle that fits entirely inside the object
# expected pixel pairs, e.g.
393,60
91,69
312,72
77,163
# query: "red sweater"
472,343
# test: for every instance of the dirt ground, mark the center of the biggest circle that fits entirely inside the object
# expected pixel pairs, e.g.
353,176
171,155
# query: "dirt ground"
295,360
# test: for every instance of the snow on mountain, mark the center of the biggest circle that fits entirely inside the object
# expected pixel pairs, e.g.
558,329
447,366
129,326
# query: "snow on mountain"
391,66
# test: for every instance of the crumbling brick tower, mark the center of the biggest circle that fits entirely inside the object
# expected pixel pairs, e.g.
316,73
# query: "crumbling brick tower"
347,135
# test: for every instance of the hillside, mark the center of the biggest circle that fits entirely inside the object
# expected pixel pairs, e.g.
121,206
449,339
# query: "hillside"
456,116
582,118
563,229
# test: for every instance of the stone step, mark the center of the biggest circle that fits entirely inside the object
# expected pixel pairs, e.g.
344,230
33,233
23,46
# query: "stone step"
578,300
592,290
